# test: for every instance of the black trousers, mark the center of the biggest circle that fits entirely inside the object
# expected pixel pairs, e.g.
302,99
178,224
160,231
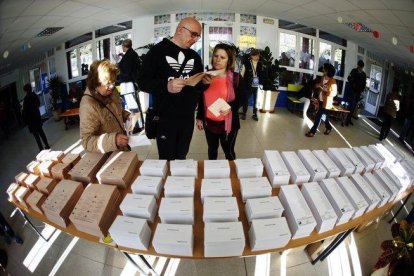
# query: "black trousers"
40,134
174,138
251,91
386,126
353,101
227,144
318,118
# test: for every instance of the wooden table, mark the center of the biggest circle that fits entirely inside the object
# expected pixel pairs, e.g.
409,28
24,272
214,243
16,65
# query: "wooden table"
339,113
70,114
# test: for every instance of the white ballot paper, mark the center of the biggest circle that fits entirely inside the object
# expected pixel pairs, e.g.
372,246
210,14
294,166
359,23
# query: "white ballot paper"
331,167
130,232
355,197
298,171
409,170
220,187
350,154
374,151
338,199
398,154
186,167
223,239
299,217
147,185
139,206
276,169
386,182
177,210
322,210
389,157
255,187
367,161
138,141
152,167
249,167
173,239
220,105
343,163
179,186
374,155
313,165
216,169
220,209
265,207
270,233
365,189
383,194
397,176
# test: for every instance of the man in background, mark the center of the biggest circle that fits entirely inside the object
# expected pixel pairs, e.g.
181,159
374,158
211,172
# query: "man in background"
357,81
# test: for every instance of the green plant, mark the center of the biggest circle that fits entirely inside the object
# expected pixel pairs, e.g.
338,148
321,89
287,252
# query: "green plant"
54,84
398,252
272,68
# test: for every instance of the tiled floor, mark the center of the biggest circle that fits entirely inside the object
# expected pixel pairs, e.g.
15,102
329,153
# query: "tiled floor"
66,255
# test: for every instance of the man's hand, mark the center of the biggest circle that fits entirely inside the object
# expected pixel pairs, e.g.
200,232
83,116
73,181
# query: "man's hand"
175,86
207,79
121,140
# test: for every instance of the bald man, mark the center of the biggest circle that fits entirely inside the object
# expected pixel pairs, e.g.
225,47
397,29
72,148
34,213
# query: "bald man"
163,74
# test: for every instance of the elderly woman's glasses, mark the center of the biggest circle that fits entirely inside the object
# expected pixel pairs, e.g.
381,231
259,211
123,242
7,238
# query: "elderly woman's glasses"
194,35
109,85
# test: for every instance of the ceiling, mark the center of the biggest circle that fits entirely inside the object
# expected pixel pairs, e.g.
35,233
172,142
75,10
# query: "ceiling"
21,20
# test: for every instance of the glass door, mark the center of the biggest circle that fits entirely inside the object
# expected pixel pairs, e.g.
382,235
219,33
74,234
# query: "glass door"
373,96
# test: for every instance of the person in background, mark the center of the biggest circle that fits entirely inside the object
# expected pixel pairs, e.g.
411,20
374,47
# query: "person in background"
252,72
329,91
357,81
407,127
7,232
166,67
392,105
306,93
31,116
3,119
228,86
101,115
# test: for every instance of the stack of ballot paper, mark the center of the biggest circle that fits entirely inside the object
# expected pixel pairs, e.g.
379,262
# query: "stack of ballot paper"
343,163
366,190
357,200
96,209
315,168
255,187
61,171
71,158
21,194
220,209
85,170
179,186
61,201
152,167
397,180
223,239
374,151
177,210
339,201
298,172
382,193
216,169
395,151
173,239
11,191
220,105
409,170
130,232
46,185
378,160
33,167
220,187
49,155
45,168
139,206
147,185
262,208
249,167
367,161
331,167
276,169
186,167
351,155
35,201
265,234
386,182
322,210
20,178
386,154
43,155
31,180
299,217
119,169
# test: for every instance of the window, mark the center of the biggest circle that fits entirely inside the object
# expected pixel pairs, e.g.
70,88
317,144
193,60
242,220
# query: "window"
85,53
78,40
287,47
118,42
307,51
339,62
325,50
72,61
217,35
247,37
332,38
103,49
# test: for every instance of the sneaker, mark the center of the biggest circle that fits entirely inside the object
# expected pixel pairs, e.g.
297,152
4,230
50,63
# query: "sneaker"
243,116
254,117
309,134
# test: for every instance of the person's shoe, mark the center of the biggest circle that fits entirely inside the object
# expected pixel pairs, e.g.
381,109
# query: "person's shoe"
351,123
243,116
254,117
309,134
327,131
18,240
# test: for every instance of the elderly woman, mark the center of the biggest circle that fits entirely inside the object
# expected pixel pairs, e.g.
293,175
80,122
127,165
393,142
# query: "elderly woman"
228,86
101,115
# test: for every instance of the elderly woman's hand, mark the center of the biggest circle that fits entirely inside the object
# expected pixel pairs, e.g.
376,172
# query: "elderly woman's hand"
121,140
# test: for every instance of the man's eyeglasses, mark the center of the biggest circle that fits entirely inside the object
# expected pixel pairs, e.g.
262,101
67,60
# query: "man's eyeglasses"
194,35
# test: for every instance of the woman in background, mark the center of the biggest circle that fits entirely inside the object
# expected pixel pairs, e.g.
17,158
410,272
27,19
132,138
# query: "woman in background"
392,105
228,86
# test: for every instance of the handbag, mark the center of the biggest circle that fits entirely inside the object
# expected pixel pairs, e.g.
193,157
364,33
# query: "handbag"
151,123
